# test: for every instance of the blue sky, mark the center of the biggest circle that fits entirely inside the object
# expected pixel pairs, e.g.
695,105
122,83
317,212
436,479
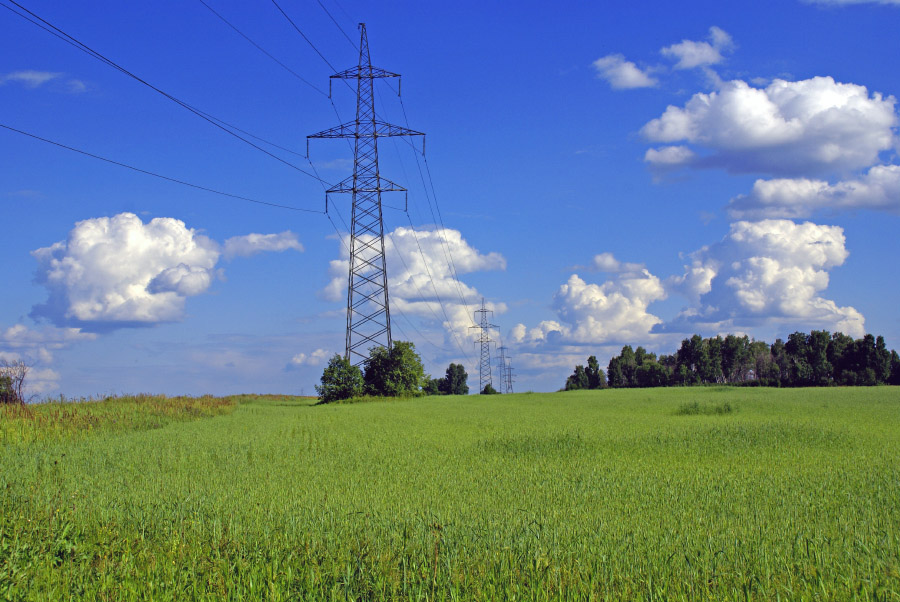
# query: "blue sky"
605,174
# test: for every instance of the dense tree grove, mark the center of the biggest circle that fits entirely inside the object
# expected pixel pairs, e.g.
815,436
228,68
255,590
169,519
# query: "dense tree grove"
591,377
453,383
816,359
394,372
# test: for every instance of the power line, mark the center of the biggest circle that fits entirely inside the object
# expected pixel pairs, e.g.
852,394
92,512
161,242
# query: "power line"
154,174
221,124
445,246
448,254
433,286
308,41
263,50
418,288
313,46
338,4
352,43
285,67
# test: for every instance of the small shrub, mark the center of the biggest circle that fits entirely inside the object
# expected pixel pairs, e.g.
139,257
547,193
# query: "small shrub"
695,408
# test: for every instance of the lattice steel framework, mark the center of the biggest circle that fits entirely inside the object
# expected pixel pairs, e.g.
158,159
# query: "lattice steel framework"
368,301
501,366
504,363
484,339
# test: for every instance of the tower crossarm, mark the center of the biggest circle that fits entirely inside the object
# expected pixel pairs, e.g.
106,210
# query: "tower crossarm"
352,129
374,184
363,71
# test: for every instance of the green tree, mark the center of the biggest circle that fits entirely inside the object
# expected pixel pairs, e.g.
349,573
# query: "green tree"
895,369
615,376
737,360
801,374
456,380
578,380
6,395
711,360
340,380
489,390
762,364
651,374
840,356
882,361
595,375
817,357
394,372
627,363
433,386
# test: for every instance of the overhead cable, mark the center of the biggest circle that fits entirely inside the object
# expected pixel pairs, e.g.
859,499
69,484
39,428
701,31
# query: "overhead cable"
263,50
222,125
154,174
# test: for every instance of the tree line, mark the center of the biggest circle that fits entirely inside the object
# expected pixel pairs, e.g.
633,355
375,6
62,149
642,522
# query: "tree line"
387,372
816,359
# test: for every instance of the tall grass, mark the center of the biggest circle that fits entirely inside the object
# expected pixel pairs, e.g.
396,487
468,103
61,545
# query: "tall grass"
21,423
572,496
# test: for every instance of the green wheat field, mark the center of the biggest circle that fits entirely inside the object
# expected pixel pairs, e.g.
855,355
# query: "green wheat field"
654,494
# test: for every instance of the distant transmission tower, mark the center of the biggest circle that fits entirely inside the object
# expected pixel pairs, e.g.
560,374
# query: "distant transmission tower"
484,339
504,362
503,365
368,305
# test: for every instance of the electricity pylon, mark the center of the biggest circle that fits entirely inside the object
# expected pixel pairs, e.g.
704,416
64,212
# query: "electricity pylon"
484,339
503,365
368,302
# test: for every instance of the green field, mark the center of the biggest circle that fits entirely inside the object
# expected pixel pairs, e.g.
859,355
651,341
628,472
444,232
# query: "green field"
698,493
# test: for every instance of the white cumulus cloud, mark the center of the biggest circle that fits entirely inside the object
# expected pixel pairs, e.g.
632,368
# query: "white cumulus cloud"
622,74
607,262
118,271
614,311
691,54
669,156
315,358
799,128
877,190
766,272
424,282
251,244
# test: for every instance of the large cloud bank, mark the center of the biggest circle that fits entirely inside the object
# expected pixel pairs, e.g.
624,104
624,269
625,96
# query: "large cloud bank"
423,271
766,272
770,272
878,189
118,271
813,126
611,312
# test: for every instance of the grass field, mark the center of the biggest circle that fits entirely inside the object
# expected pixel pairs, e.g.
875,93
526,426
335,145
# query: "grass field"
704,493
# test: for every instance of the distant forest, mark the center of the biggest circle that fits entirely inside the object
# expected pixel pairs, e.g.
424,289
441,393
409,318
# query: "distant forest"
817,359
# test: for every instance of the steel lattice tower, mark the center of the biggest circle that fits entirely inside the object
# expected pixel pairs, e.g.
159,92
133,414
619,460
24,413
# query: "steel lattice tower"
484,339
368,302
503,365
